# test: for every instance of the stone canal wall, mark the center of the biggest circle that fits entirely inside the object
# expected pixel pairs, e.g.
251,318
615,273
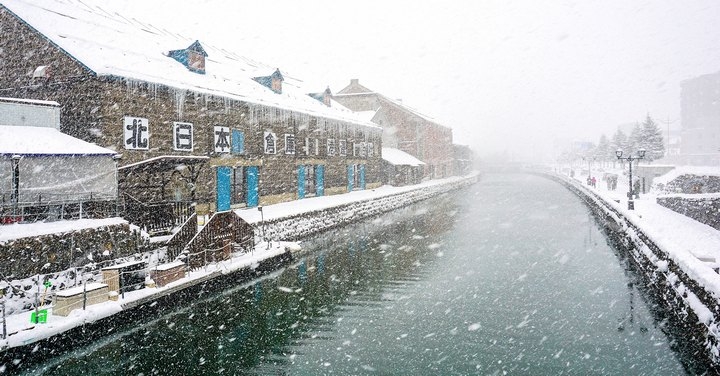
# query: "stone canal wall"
297,227
704,208
689,313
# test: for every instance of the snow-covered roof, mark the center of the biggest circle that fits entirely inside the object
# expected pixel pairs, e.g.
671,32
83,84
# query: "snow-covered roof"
25,140
395,102
111,44
29,101
397,157
367,115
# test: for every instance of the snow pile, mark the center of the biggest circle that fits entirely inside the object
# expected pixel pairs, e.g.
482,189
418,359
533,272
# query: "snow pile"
689,179
24,230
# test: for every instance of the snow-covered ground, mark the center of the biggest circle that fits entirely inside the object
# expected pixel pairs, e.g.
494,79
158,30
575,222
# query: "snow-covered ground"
22,331
23,230
296,207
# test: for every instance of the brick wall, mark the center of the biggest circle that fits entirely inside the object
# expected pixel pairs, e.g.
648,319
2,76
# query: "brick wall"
93,109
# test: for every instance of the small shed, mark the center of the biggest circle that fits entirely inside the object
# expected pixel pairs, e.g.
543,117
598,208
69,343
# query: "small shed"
400,168
41,166
43,169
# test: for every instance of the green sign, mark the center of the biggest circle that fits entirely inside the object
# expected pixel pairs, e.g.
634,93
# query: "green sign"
39,318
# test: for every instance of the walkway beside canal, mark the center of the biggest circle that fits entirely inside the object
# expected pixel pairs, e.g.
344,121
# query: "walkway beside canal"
678,255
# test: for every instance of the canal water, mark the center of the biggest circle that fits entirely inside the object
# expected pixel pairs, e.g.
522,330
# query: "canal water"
509,276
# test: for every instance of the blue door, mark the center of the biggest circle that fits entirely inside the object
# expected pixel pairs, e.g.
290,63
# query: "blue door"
319,180
301,181
252,179
222,181
361,181
351,177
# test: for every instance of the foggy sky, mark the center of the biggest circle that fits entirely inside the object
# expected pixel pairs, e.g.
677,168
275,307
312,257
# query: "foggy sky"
508,76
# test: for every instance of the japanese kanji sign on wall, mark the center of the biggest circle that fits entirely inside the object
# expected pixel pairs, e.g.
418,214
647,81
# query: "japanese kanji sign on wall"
221,139
136,133
342,148
182,136
270,141
289,144
330,147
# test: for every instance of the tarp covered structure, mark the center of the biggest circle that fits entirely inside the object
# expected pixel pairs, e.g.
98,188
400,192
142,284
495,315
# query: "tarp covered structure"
53,167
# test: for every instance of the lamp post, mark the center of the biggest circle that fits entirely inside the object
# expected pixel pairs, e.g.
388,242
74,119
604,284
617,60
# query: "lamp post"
116,159
630,159
262,220
15,196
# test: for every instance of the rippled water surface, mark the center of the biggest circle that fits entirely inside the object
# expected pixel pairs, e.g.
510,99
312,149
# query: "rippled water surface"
510,276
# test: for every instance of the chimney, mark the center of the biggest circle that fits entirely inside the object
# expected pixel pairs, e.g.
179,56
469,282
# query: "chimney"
327,95
354,82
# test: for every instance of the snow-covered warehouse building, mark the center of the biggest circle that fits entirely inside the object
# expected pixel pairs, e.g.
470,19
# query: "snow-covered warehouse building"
193,122
44,172
401,168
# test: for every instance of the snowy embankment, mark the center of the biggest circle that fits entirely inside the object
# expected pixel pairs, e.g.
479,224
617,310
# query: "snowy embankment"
295,220
21,331
677,255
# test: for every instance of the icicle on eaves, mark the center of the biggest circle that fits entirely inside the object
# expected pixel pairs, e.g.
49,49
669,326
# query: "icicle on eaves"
179,102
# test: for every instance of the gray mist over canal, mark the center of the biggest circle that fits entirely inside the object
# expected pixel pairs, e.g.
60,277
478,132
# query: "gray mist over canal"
511,275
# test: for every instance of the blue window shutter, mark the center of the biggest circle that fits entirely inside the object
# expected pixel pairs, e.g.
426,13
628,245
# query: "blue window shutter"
301,181
222,182
238,142
319,180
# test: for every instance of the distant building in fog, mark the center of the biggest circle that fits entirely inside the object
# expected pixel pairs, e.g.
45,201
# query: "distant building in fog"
700,120
404,128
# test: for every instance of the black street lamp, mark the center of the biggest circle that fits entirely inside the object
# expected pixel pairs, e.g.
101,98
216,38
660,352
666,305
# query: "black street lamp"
116,159
630,159
15,196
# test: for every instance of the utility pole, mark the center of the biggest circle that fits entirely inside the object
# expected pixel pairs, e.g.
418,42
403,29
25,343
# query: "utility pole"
668,122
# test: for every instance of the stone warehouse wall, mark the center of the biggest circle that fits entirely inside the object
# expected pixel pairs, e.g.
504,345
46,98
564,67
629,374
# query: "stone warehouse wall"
297,227
93,109
702,209
51,253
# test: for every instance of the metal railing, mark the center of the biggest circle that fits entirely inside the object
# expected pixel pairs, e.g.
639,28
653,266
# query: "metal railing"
215,241
157,217
56,207
182,237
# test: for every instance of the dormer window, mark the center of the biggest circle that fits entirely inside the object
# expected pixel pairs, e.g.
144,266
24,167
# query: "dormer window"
272,82
323,97
193,57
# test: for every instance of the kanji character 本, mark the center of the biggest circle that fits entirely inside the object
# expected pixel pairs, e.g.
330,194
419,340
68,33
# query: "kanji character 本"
222,139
